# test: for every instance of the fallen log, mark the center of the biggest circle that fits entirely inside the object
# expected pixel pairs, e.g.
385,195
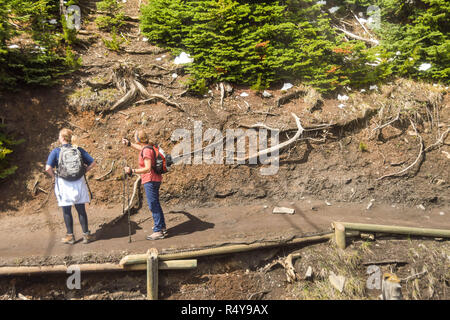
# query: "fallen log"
278,146
411,231
142,258
93,267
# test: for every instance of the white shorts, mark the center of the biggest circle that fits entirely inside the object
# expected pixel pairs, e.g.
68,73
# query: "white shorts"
69,193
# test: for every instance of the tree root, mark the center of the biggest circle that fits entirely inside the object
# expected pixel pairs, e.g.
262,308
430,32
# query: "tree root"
417,159
286,263
125,79
112,166
288,97
135,199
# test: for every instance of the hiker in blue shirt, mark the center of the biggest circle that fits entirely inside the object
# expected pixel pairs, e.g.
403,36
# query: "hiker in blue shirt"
70,184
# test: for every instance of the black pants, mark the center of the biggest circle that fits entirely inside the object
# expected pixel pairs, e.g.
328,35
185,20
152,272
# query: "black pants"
82,216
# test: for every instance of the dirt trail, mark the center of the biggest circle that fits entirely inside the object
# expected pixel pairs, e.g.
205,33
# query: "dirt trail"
36,240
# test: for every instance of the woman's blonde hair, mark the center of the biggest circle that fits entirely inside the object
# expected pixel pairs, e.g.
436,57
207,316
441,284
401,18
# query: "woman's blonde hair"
143,137
66,134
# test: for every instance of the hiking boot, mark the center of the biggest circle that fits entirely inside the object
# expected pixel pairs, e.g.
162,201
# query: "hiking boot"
87,237
68,239
156,236
165,232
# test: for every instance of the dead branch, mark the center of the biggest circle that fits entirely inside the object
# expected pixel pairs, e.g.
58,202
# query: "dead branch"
258,126
74,125
154,96
439,141
414,276
287,264
387,123
44,202
130,95
136,186
354,36
159,67
182,93
198,150
112,166
417,159
42,190
361,24
287,97
143,52
384,262
277,147
222,94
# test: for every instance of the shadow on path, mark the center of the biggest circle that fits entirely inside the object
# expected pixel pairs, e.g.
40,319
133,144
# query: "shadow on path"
118,228
193,225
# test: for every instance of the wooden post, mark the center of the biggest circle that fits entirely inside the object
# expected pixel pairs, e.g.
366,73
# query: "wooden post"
152,274
339,232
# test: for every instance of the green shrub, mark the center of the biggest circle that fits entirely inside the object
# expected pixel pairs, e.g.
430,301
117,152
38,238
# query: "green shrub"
115,42
362,147
45,58
113,16
260,43
414,33
256,43
5,168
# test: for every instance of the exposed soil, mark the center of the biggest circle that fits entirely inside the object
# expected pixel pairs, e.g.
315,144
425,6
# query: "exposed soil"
327,175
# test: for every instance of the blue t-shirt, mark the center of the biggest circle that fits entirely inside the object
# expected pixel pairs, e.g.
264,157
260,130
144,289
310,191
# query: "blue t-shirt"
53,157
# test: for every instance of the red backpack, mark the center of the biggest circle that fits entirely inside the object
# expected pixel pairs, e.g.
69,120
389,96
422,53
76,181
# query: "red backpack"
162,161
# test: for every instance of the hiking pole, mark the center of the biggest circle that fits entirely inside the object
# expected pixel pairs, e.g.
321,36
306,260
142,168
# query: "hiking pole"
125,191
87,184
128,209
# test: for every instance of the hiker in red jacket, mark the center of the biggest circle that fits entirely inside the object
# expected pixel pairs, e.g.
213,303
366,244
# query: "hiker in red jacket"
150,180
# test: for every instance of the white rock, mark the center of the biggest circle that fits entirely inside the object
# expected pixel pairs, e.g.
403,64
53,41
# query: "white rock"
341,106
420,206
174,75
13,46
283,210
308,273
424,66
374,87
158,59
144,39
266,94
441,213
333,9
343,97
328,203
286,86
183,58
244,94
363,90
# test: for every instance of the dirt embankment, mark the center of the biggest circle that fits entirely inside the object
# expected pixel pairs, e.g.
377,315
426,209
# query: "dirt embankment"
348,145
